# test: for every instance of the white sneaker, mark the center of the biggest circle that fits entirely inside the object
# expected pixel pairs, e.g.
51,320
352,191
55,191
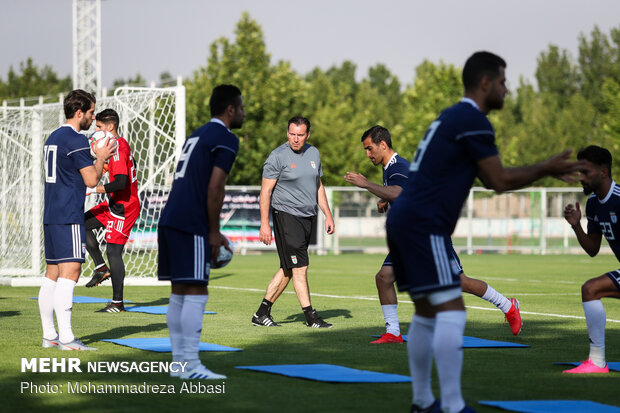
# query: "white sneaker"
50,343
200,373
74,345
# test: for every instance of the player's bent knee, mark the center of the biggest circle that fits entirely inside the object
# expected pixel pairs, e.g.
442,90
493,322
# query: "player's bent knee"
385,276
588,291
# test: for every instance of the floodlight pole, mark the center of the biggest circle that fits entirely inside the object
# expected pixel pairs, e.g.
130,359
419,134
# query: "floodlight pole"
87,45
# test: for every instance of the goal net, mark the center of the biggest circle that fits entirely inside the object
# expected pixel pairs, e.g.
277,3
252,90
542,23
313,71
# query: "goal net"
152,120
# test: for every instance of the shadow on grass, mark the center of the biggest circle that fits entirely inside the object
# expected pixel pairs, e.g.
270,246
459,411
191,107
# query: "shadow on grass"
325,315
220,276
122,332
9,313
159,301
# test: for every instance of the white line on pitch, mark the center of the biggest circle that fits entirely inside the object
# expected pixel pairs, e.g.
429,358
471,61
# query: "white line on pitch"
542,314
407,301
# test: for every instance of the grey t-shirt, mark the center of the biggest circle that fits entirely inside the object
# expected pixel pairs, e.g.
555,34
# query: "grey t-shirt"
298,176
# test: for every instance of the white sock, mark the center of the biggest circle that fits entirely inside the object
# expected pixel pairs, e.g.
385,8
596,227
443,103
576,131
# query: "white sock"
390,314
448,349
191,324
63,305
173,319
595,320
497,299
46,308
420,353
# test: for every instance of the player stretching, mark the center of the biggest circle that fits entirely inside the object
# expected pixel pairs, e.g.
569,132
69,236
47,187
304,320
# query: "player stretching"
378,145
189,227
458,146
117,214
602,210
68,170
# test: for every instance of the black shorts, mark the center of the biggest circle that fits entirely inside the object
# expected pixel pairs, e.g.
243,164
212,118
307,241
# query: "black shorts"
293,236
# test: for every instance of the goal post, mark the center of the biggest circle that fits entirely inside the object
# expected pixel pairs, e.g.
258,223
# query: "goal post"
152,120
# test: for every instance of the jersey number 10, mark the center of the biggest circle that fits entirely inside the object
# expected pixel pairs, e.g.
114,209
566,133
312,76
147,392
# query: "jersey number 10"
50,163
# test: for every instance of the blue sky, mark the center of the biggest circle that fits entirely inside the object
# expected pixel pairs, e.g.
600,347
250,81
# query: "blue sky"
152,36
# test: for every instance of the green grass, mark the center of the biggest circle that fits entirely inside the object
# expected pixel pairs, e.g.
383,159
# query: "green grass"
544,284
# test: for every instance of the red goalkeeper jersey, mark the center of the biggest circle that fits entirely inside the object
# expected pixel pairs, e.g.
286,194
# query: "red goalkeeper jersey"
124,203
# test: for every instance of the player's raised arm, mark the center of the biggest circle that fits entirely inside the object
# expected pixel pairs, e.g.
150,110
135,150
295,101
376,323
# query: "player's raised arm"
495,176
264,203
92,173
388,193
591,243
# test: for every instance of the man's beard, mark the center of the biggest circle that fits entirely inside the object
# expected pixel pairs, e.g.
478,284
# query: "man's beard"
85,124
495,104
587,189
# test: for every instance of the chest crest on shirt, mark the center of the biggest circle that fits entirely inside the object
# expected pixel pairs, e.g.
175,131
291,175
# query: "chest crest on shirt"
613,217
313,164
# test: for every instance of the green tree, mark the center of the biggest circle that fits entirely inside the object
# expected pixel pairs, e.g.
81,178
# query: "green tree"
610,121
436,87
272,94
33,81
331,109
599,59
137,80
388,89
556,74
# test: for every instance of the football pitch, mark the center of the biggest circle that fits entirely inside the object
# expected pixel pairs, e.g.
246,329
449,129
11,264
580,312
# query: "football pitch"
343,291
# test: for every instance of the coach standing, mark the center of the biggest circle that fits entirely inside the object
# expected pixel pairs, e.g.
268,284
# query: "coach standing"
69,170
293,191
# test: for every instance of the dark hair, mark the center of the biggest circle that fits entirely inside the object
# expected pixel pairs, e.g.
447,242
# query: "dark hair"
377,134
108,116
481,64
597,155
222,97
299,120
77,99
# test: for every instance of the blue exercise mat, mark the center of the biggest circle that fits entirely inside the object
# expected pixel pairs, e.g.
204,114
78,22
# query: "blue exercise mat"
474,342
329,373
162,344
80,299
613,365
553,406
155,309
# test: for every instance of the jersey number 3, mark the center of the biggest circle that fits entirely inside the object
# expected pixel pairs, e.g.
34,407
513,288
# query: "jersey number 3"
190,144
415,165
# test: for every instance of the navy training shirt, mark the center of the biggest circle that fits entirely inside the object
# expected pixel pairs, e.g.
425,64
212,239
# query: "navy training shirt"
66,151
396,172
210,145
602,217
443,170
